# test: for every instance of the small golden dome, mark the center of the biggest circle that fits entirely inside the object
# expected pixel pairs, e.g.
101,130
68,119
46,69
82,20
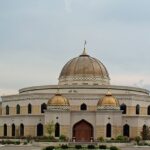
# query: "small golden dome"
58,100
108,100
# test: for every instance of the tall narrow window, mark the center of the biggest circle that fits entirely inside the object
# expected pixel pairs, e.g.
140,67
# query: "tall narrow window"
145,134
21,130
57,130
108,130
126,130
123,107
43,107
39,129
83,107
5,130
138,109
7,110
29,108
18,109
148,110
13,130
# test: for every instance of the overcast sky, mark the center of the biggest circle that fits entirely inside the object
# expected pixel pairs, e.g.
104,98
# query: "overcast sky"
37,37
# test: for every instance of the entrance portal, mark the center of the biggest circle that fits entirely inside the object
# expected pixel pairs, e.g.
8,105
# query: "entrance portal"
83,131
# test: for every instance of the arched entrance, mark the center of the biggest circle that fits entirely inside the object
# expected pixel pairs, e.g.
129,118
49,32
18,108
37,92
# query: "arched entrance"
83,131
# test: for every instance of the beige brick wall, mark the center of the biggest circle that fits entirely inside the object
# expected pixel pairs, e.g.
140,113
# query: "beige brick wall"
116,131
30,130
100,131
65,130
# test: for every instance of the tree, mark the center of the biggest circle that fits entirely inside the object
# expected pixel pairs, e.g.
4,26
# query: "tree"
145,133
50,128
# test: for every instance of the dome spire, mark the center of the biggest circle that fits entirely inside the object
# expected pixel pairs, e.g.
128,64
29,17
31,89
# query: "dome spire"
84,50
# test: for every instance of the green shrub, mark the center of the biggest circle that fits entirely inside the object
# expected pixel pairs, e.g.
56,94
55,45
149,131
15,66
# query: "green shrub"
25,142
49,148
137,139
63,138
114,148
120,138
91,147
101,139
102,147
78,147
64,146
17,142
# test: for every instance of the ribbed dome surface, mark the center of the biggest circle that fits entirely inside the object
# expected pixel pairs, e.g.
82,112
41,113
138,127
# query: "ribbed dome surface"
84,68
108,100
58,100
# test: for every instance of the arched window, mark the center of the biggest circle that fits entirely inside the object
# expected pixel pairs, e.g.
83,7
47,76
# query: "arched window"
83,107
108,130
123,107
43,107
29,108
126,130
13,130
39,129
21,130
18,109
148,110
5,130
57,130
144,133
138,109
7,110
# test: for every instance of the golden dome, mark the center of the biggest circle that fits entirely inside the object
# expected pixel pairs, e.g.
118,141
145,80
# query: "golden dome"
108,100
84,69
58,100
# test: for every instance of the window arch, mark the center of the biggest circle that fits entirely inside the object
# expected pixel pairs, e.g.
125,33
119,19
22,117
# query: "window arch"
57,130
83,107
108,130
43,107
39,129
18,109
13,130
126,130
5,130
145,132
21,130
123,107
148,110
7,110
137,109
29,108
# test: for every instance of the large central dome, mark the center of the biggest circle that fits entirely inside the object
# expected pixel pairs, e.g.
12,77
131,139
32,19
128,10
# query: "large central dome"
84,70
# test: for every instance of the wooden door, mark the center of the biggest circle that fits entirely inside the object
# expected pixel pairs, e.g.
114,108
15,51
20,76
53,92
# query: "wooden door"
83,131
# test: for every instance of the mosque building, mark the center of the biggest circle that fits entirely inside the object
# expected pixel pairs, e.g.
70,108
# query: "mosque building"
84,106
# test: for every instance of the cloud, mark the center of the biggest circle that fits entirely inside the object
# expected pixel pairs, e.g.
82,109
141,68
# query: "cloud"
68,5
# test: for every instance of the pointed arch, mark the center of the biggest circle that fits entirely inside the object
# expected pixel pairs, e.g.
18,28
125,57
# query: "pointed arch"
21,129
39,129
148,110
108,130
83,106
123,107
137,109
57,130
18,109
126,130
43,107
29,108
13,130
82,131
5,130
7,110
